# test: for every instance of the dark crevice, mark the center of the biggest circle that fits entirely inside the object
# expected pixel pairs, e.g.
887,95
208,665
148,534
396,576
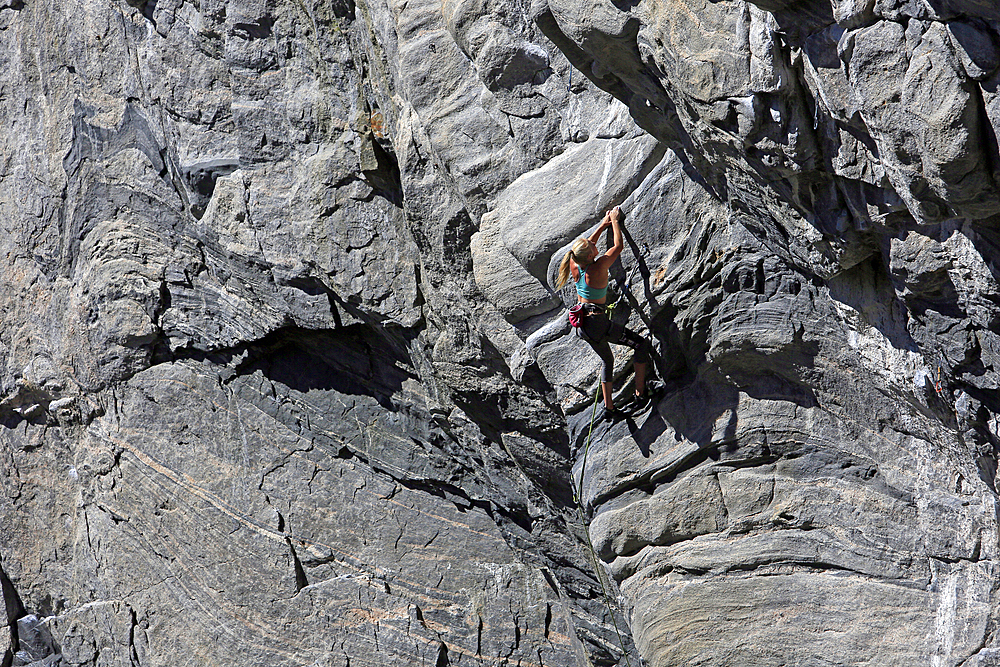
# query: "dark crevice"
990,147
344,9
146,7
550,580
15,610
148,10
357,359
956,560
440,489
250,31
200,179
442,657
301,581
223,357
812,565
385,180
134,654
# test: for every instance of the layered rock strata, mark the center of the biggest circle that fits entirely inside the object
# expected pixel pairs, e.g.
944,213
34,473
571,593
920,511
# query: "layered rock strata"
285,381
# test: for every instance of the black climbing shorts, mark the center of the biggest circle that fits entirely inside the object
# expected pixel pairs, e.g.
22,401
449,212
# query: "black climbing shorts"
598,330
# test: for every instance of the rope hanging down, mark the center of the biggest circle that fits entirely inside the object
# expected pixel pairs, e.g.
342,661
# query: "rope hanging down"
578,486
578,498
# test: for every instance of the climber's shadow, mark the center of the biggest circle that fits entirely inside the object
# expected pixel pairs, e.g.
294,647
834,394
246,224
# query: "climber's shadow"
671,411
647,431
639,254
667,360
705,412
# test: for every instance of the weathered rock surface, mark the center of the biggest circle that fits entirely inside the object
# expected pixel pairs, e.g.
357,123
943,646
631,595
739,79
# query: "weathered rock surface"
828,470
250,411
284,381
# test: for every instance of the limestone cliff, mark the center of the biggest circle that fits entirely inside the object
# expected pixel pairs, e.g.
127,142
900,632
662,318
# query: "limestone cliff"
284,380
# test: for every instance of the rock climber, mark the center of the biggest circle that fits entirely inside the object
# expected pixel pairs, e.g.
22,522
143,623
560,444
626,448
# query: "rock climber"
589,271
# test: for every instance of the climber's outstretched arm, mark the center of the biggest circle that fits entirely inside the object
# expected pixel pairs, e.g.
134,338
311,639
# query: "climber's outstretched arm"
614,218
605,223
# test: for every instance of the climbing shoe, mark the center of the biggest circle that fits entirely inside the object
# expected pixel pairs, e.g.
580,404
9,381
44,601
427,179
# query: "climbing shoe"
641,401
654,388
612,415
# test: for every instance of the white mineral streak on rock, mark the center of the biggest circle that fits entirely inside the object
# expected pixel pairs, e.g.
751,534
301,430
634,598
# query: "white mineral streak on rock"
898,368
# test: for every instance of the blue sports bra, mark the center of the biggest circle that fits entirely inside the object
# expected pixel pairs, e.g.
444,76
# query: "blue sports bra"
586,291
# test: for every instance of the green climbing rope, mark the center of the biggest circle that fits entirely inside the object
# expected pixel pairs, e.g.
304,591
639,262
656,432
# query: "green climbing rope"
578,498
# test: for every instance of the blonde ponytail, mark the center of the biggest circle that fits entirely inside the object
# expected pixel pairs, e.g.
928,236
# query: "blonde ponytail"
563,276
580,253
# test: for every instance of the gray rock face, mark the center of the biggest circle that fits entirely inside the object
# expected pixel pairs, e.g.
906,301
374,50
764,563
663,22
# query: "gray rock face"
788,487
250,411
284,379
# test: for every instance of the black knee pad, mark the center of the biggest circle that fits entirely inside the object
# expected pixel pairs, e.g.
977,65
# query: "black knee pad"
638,343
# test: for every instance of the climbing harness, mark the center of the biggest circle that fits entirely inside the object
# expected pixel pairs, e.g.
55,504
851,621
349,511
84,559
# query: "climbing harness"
578,498
609,309
582,310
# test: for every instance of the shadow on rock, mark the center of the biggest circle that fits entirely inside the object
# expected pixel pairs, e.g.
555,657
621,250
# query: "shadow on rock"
353,360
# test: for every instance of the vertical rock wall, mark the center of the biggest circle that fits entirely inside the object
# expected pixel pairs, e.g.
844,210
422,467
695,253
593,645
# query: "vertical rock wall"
250,413
822,490
284,381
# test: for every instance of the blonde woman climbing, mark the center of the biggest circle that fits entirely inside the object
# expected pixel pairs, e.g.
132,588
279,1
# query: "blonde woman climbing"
589,271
